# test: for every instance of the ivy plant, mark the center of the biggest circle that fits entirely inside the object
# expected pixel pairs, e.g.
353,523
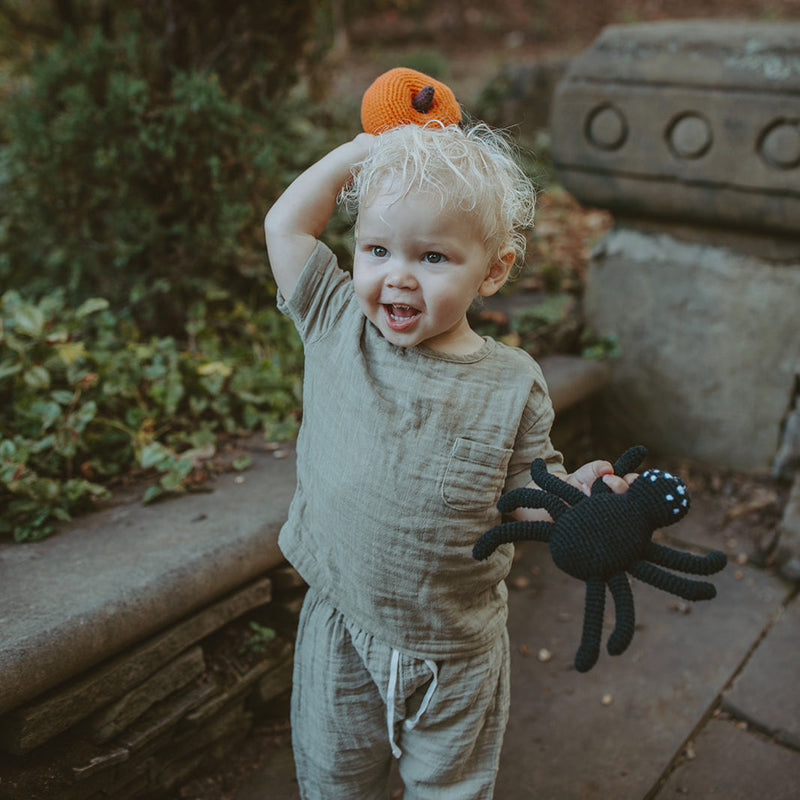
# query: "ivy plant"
85,397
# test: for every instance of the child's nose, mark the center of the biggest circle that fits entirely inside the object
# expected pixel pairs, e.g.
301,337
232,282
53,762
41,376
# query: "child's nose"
401,277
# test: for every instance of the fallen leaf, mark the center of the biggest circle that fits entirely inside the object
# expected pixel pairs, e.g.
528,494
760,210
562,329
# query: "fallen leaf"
761,498
520,582
197,455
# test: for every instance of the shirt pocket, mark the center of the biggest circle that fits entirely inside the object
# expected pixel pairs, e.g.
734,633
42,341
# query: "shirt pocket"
475,475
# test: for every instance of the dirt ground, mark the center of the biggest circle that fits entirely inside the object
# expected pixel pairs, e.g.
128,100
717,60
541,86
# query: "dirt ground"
475,40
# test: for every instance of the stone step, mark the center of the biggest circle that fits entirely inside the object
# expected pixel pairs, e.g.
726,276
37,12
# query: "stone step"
112,579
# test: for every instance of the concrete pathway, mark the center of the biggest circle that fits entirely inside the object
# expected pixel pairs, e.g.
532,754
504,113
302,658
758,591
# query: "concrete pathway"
703,704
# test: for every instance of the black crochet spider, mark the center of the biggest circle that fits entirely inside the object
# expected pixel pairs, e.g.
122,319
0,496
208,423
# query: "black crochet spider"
598,538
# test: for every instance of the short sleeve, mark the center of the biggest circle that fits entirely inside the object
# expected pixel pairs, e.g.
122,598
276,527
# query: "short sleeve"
322,293
533,439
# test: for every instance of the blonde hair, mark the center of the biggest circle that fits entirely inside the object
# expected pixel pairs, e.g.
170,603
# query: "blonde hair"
470,169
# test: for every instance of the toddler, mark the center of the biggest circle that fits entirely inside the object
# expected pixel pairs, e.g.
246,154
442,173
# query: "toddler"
413,426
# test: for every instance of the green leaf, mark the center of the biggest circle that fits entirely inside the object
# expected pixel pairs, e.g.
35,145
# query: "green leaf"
71,352
49,412
153,454
91,306
172,481
8,368
62,396
152,493
242,463
83,416
37,378
29,320
7,448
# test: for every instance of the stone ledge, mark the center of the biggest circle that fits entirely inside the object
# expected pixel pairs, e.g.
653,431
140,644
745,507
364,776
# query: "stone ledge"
111,579
208,683
25,728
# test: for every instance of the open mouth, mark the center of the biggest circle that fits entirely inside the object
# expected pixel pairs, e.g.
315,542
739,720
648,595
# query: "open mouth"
400,317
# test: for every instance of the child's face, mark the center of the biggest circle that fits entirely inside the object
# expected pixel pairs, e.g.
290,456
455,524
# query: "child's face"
418,268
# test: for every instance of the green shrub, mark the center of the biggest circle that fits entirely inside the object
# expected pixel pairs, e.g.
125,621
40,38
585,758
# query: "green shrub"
108,188
254,47
84,397
140,145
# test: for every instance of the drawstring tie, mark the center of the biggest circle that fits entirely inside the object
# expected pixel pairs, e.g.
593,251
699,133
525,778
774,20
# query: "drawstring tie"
409,724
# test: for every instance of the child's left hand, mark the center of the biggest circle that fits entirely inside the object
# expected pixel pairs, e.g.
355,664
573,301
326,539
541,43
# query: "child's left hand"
585,476
582,479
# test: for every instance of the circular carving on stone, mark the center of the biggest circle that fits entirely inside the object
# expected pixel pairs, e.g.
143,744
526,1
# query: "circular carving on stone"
689,135
606,127
780,144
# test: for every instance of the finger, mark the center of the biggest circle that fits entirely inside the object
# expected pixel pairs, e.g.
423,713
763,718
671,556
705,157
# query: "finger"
600,467
631,477
574,480
616,484
589,473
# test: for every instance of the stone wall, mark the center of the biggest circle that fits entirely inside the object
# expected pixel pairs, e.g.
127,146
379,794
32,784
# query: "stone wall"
141,723
128,655
710,342
690,134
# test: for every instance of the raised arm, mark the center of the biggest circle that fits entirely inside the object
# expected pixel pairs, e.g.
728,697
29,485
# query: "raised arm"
300,214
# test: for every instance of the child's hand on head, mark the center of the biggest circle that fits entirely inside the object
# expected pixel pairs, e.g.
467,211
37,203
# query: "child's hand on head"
362,144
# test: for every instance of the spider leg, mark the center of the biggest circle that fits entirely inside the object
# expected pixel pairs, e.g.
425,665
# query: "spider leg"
510,532
630,460
686,562
531,498
674,584
626,618
551,483
594,606
626,463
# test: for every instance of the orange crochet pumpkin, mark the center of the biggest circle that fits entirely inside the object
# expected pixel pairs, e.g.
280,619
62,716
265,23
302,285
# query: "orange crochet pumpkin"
402,96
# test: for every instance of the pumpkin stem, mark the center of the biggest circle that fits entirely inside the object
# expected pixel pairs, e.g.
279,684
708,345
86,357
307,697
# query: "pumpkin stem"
423,99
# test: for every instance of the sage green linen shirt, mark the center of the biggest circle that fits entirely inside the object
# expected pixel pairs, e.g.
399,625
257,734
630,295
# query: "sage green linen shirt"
401,457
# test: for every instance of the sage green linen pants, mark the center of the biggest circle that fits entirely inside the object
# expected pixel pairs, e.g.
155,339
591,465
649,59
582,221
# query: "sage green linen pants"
357,702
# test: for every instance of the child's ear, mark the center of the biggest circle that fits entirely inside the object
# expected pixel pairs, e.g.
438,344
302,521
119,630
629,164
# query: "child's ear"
498,272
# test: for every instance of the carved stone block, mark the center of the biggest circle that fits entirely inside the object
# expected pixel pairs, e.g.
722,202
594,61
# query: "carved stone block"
685,121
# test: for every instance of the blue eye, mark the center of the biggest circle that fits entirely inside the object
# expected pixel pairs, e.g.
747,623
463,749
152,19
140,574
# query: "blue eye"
378,251
434,258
